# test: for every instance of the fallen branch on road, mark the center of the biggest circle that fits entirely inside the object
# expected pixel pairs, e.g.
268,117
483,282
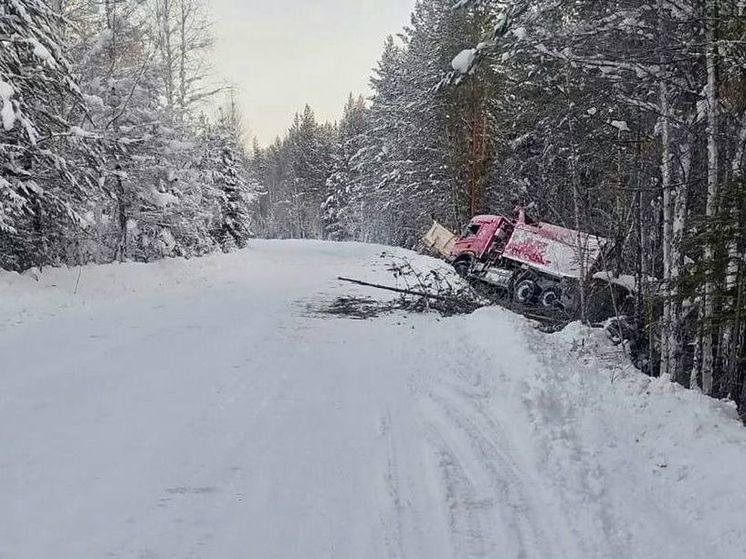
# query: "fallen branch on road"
402,291
425,301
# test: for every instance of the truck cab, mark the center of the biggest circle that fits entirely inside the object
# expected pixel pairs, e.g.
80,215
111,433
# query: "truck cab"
485,234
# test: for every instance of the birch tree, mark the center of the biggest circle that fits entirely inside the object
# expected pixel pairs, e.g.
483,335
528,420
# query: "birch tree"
713,183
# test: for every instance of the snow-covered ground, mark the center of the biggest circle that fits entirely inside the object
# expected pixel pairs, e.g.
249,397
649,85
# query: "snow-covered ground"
200,409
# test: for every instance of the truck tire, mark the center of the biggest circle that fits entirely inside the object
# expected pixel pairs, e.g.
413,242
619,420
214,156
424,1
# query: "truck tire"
550,298
525,291
463,266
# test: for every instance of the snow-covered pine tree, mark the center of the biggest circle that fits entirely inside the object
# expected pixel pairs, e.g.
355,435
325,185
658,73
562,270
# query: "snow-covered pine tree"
421,181
231,179
378,157
309,149
40,103
270,167
342,218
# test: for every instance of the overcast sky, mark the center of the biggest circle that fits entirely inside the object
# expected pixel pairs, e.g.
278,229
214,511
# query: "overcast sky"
284,53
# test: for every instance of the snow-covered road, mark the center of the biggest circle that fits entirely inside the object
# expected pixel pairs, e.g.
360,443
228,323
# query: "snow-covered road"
200,410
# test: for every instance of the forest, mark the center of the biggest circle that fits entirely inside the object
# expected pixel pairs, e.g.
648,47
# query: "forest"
623,118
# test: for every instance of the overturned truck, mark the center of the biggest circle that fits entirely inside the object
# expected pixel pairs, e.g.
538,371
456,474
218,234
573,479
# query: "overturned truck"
535,265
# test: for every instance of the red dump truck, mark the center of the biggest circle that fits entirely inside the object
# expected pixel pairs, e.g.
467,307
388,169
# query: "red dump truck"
536,264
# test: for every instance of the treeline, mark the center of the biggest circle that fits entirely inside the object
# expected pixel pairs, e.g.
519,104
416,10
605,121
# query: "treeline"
105,151
624,118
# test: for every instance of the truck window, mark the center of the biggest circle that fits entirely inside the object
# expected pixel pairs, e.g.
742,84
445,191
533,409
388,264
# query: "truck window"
471,230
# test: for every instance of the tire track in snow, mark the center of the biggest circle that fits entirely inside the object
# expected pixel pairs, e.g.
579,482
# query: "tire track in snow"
392,527
470,514
573,470
467,490
490,489
484,494
489,484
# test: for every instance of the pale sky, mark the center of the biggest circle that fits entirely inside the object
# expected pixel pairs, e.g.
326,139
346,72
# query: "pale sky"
282,54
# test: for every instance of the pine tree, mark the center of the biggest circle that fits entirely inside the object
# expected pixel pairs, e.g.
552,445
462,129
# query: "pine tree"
39,188
341,220
378,158
230,178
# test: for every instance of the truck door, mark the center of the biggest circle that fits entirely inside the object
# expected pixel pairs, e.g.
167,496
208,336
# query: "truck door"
502,236
484,238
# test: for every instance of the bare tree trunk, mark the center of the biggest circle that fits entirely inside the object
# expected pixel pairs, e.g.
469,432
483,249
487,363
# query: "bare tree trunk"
581,245
619,209
163,14
667,241
708,307
478,148
729,340
184,15
40,236
678,226
640,265
581,249
121,251
121,209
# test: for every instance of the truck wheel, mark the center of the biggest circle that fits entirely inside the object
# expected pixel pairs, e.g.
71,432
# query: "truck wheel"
524,292
550,298
463,267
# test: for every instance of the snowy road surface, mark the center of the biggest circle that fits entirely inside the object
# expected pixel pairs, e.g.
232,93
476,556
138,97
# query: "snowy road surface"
199,410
